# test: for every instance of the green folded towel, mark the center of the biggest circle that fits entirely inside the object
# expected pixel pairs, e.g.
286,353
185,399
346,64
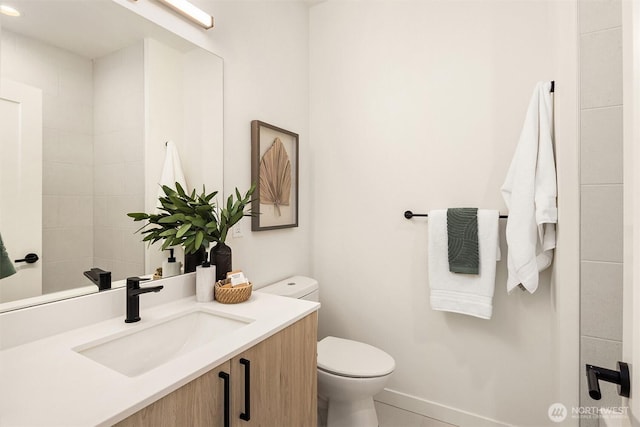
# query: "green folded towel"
6,266
462,230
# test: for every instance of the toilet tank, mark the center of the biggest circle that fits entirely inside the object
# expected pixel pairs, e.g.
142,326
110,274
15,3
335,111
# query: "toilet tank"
300,287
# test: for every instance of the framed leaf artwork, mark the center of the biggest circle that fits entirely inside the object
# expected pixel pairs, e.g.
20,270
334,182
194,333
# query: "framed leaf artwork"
274,167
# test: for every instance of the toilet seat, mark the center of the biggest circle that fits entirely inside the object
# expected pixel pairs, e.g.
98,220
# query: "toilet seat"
353,359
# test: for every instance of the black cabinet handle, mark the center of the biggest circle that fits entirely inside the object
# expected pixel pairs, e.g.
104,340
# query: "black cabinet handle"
225,378
246,415
28,258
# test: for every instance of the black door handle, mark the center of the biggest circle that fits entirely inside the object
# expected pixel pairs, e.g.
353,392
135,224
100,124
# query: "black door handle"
28,258
246,415
225,378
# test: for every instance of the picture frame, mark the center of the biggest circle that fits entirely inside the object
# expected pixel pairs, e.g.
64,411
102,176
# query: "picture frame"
275,170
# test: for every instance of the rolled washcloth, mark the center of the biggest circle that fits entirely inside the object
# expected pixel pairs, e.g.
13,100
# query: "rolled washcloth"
463,293
6,266
462,233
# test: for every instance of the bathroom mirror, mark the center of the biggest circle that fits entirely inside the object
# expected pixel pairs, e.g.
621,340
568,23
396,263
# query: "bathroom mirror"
111,88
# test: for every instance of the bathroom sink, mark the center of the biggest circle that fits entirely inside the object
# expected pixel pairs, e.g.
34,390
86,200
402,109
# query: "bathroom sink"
148,346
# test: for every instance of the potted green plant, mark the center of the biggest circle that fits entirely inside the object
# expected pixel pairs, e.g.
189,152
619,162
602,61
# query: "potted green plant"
227,217
193,221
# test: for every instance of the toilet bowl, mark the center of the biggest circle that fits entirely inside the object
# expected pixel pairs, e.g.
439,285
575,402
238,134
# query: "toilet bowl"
350,373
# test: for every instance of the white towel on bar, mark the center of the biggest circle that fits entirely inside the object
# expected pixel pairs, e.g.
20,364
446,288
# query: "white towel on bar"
470,294
171,171
529,191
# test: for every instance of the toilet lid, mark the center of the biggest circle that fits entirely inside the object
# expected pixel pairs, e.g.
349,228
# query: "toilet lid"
353,359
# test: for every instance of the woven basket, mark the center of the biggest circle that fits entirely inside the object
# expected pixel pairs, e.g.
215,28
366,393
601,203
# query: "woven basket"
232,295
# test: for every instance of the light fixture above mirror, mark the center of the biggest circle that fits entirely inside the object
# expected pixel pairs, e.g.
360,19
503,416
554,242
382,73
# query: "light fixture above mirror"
8,10
191,12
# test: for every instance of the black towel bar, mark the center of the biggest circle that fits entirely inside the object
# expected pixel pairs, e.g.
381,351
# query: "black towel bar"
409,215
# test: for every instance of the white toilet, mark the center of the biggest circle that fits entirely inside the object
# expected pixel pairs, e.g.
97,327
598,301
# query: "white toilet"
350,373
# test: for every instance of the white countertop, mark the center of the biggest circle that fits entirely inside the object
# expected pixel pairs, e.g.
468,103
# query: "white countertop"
46,382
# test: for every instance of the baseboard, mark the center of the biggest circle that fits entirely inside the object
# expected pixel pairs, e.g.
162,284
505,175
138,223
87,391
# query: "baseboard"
435,410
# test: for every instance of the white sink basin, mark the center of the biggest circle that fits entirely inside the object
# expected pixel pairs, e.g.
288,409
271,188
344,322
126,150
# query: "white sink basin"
134,352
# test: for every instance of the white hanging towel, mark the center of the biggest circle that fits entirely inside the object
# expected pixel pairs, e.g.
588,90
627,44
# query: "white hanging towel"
171,171
530,193
470,294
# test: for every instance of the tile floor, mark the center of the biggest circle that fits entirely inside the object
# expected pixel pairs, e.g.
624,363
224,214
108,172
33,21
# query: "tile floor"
390,416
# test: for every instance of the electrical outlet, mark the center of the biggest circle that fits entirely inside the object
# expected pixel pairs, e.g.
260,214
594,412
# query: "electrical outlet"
237,231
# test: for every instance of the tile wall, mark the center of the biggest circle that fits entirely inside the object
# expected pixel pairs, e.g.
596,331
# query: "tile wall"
66,83
93,157
119,160
600,24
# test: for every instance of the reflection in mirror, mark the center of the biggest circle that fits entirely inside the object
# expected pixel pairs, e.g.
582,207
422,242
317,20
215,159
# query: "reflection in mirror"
89,94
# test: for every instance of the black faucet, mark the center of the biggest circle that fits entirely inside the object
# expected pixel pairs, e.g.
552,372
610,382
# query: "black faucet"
133,293
100,278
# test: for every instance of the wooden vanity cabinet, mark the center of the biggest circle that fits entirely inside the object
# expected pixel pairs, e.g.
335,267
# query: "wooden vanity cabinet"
283,379
198,403
281,389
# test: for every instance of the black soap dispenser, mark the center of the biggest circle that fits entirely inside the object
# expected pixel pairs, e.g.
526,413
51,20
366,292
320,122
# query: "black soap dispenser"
170,267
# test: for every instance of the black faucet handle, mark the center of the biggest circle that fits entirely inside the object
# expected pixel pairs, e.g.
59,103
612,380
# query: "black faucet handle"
134,282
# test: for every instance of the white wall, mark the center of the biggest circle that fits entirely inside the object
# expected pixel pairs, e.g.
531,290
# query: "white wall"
419,105
265,51
565,287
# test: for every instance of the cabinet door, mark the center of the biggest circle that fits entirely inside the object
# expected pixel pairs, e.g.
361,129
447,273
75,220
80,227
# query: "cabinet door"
198,403
283,379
